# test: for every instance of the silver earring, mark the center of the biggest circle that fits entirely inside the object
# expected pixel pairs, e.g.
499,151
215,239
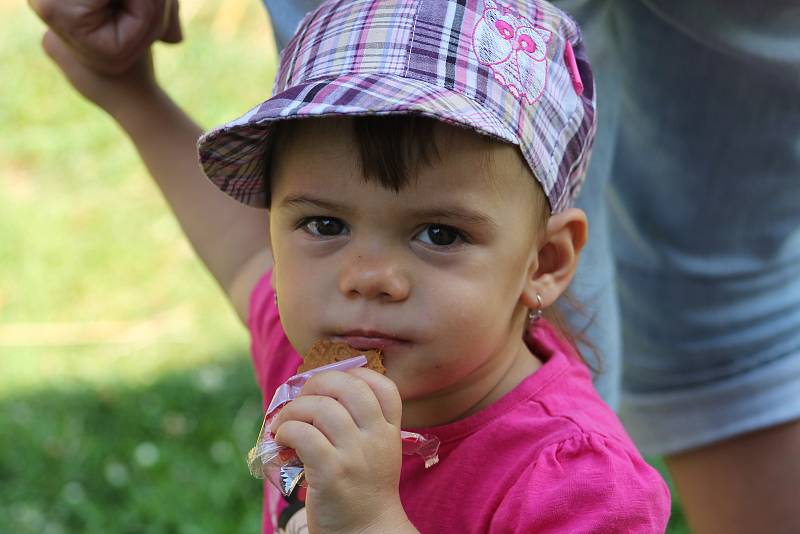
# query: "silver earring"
535,315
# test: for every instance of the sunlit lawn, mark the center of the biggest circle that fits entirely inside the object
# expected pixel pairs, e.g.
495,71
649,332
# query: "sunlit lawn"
127,402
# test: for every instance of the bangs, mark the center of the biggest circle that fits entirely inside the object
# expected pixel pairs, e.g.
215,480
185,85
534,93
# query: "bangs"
394,148
391,148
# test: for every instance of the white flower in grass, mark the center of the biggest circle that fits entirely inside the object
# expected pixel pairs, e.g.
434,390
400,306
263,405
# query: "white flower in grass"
116,474
73,492
174,424
28,516
146,454
209,379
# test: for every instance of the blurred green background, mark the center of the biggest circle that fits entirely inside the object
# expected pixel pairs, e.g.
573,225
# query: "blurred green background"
127,401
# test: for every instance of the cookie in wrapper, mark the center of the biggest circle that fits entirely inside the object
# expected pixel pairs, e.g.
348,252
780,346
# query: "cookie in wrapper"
281,465
325,352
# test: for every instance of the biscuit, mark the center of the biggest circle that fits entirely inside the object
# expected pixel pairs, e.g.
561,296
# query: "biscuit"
324,352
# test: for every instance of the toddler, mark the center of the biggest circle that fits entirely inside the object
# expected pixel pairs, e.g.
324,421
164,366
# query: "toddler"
418,161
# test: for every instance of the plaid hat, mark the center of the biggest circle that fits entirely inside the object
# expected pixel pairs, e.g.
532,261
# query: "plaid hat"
515,71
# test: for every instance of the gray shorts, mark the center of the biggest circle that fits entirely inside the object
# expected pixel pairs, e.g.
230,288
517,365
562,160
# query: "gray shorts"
703,214
693,199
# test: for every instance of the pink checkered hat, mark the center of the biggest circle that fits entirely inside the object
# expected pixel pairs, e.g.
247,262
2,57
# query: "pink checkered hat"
515,71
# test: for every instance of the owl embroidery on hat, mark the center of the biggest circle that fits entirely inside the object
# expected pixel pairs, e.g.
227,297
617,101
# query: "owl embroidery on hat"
514,49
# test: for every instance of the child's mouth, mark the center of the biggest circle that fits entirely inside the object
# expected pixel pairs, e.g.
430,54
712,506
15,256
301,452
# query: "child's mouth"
368,340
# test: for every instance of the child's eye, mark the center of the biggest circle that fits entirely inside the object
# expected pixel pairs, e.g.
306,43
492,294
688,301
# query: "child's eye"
439,235
323,226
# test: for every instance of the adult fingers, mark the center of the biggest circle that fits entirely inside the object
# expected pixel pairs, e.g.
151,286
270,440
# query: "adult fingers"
385,391
53,12
138,24
73,20
108,37
324,413
172,23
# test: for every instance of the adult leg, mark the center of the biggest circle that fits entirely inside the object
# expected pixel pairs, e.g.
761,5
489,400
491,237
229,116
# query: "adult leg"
706,226
285,15
746,484
594,287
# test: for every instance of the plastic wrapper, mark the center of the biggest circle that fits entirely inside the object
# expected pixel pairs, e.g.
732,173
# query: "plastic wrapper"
281,465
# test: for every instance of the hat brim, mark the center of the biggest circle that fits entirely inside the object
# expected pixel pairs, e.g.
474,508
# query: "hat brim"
233,155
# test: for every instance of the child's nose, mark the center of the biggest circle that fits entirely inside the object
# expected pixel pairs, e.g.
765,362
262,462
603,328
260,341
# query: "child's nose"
375,276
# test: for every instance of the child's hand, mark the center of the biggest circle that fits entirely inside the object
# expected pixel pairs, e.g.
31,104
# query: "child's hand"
345,428
112,93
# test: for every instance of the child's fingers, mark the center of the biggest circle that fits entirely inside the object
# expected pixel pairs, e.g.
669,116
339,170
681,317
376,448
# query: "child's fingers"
322,412
311,445
67,60
352,392
55,47
385,391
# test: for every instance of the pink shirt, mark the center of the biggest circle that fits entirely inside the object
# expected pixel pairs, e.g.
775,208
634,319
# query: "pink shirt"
550,456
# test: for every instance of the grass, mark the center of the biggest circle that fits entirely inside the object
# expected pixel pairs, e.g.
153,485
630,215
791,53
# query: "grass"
96,278
127,401
162,458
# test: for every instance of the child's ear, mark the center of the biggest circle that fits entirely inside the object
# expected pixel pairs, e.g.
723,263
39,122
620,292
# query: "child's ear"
557,258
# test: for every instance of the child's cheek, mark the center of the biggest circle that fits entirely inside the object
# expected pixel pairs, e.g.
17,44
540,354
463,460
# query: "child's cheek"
294,319
300,309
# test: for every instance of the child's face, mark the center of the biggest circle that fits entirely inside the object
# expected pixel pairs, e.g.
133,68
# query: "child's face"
431,275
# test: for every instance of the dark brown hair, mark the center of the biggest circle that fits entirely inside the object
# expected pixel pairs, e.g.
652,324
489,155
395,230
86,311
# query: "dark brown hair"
392,150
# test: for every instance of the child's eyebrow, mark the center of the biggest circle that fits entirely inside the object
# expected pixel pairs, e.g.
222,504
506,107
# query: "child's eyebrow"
459,213
306,200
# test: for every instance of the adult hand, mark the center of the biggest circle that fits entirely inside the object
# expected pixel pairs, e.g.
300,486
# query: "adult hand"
108,36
